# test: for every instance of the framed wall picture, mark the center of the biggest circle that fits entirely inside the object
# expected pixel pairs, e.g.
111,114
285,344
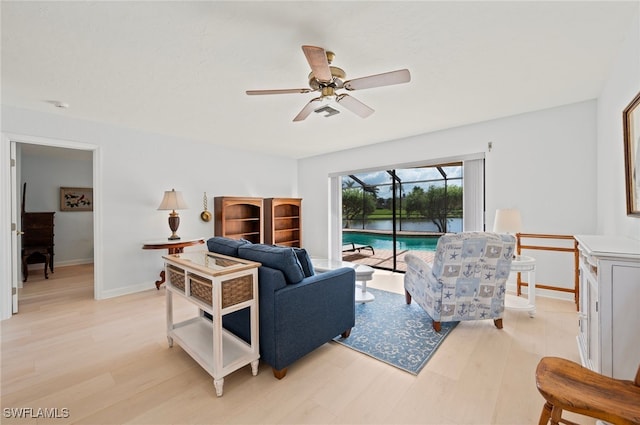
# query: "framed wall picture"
631,129
76,199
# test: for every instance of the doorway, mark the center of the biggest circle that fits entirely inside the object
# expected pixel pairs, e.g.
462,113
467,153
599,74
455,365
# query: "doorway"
46,174
12,147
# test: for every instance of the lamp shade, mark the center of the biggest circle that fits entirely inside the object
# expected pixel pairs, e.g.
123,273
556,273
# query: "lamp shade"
507,221
172,201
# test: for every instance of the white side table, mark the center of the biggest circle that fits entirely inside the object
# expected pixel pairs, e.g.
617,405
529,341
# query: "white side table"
523,263
364,274
218,285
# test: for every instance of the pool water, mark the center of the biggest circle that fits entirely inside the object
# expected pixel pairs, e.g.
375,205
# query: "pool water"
382,241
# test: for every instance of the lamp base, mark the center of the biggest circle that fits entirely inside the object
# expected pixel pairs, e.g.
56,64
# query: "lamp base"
174,222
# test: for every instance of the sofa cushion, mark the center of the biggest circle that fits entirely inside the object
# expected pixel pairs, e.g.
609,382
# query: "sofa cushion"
225,246
305,261
276,257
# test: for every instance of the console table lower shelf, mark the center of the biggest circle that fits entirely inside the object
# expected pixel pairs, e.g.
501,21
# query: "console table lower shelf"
195,336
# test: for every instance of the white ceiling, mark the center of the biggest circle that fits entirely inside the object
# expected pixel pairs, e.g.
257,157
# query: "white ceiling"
182,68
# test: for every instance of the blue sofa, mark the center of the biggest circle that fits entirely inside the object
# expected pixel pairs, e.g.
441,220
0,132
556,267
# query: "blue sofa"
299,310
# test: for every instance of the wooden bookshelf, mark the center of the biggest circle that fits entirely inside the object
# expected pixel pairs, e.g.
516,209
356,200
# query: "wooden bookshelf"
283,221
239,218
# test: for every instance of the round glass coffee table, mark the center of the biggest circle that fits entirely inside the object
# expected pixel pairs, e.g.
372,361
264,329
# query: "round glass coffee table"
364,274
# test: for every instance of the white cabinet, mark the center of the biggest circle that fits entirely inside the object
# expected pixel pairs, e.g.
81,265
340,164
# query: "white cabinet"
217,285
609,333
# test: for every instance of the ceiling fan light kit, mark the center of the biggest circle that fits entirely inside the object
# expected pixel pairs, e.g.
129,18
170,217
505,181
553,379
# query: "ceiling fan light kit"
326,79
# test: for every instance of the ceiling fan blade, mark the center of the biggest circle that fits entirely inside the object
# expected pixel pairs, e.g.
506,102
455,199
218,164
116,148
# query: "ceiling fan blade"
317,58
309,107
277,91
387,79
354,105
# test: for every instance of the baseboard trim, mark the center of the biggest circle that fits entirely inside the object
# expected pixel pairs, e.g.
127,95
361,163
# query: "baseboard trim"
126,290
57,263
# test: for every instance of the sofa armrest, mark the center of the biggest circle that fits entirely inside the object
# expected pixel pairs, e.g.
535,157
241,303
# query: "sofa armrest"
308,314
297,318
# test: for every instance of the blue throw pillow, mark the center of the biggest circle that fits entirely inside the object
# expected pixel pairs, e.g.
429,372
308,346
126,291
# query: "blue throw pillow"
225,246
305,261
275,257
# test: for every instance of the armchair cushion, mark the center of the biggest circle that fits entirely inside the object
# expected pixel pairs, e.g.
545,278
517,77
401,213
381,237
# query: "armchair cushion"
275,257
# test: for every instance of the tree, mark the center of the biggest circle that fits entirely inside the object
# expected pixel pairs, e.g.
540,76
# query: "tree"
356,204
442,203
415,202
437,204
346,184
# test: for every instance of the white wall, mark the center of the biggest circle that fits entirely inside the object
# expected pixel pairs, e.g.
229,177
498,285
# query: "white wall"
622,86
44,175
542,163
135,169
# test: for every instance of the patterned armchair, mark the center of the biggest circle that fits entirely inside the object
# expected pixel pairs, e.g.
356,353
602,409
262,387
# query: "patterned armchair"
467,280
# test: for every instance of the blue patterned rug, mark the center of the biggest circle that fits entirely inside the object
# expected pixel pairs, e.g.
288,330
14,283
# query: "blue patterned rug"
393,332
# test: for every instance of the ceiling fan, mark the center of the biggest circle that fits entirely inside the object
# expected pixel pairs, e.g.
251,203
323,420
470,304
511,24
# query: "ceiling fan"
326,79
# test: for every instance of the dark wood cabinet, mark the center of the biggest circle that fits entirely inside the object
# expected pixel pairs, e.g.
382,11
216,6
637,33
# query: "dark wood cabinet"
37,238
37,241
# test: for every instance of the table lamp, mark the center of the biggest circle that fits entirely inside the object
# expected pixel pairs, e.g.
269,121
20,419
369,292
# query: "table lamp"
173,201
508,221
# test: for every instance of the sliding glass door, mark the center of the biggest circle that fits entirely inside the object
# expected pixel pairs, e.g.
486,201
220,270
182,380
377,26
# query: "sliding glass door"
387,213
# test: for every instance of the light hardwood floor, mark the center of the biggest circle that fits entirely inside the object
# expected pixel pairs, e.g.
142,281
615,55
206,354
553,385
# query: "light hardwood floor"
108,362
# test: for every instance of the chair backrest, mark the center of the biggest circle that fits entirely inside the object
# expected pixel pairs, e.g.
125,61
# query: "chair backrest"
469,255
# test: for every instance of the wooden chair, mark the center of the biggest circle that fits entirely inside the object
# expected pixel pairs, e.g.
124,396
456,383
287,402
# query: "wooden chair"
566,385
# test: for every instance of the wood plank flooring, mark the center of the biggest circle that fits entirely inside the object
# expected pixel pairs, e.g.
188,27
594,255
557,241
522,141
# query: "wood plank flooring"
108,362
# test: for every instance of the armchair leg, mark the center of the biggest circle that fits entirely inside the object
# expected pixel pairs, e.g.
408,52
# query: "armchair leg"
498,323
437,326
346,333
279,373
407,297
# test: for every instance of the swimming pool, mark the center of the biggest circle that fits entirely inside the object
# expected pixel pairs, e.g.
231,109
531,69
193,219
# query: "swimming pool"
384,241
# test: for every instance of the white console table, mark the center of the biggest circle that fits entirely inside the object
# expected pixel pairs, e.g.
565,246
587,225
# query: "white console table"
218,285
609,333
523,263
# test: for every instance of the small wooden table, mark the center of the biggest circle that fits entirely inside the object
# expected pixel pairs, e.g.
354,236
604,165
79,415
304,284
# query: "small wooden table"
173,246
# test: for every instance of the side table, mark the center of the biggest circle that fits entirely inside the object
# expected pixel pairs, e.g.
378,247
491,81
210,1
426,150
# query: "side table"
523,263
364,274
217,285
173,246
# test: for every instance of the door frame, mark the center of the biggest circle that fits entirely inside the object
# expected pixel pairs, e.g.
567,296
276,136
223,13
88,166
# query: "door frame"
9,270
474,204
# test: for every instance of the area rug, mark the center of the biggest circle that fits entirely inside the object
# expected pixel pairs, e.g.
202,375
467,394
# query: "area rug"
395,333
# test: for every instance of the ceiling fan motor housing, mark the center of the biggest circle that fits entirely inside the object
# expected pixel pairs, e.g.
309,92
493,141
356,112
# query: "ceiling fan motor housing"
337,81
